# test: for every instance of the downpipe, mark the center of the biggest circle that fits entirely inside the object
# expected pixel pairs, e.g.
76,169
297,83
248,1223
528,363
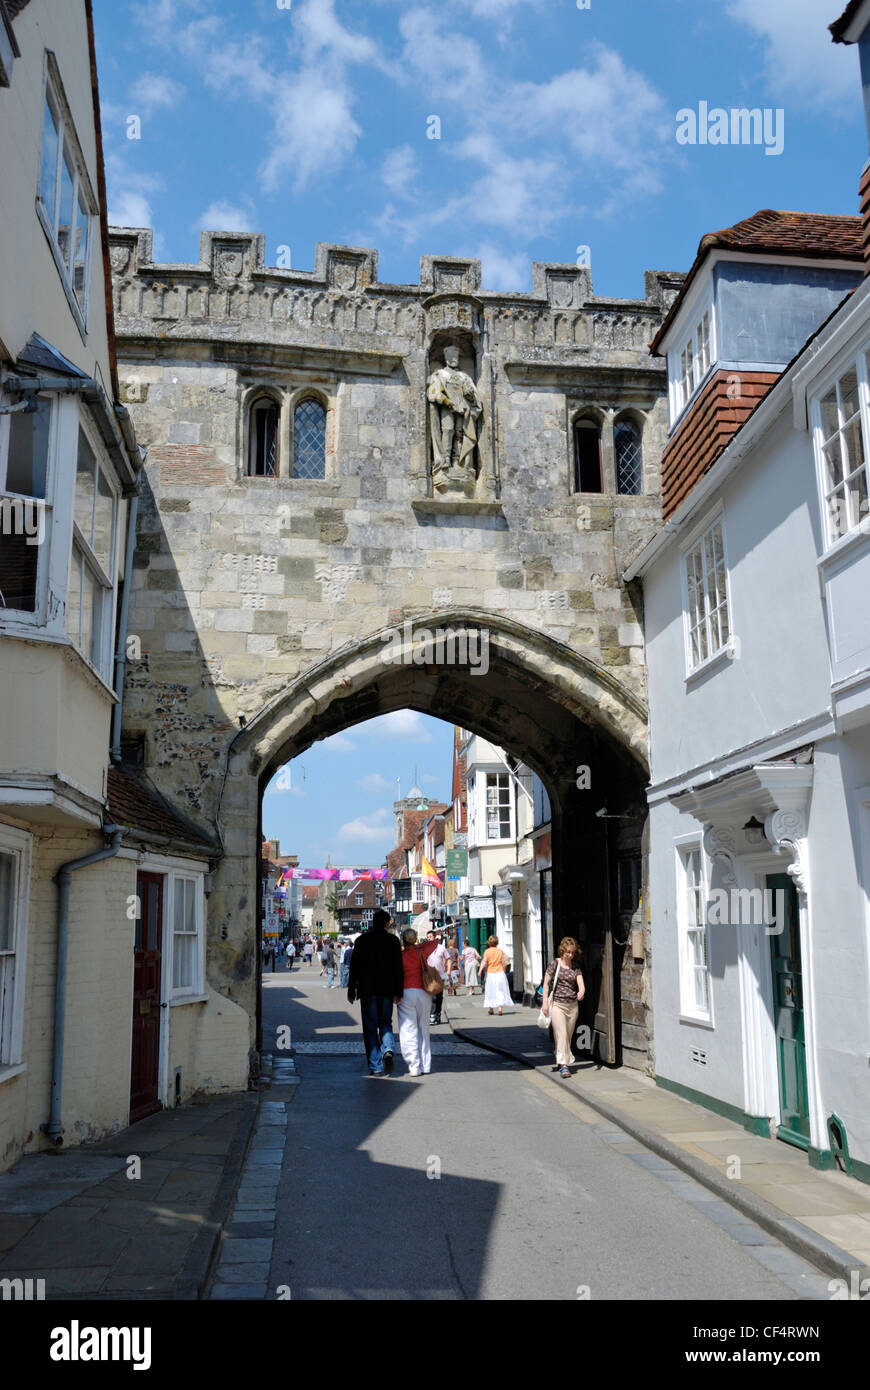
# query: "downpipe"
121,649
63,878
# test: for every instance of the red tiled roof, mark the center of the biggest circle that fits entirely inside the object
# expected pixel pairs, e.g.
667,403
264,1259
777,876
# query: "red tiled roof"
136,805
809,235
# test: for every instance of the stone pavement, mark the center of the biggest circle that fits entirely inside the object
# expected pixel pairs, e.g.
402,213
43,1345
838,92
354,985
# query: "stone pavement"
823,1216
77,1220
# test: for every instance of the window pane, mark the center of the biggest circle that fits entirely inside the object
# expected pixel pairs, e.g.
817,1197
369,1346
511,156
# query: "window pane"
90,618
849,394
190,907
103,522
183,964
19,568
263,461
833,462
65,213
309,441
701,990
7,882
80,249
86,468
48,175
853,445
629,464
27,469
830,418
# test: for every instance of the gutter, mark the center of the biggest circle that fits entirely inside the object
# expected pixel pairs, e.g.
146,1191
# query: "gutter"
116,429
54,1129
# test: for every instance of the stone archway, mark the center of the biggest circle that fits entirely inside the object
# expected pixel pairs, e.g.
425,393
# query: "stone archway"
551,707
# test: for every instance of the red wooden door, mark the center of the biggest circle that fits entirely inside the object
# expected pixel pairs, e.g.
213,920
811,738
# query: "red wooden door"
144,1082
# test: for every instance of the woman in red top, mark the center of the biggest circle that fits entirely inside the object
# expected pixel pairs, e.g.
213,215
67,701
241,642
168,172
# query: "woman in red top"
413,1007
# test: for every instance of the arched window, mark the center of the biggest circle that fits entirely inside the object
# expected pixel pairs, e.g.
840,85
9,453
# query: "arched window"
587,455
309,440
629,457
263,438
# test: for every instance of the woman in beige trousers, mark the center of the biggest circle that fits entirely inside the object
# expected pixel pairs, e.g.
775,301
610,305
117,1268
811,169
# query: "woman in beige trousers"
562,1001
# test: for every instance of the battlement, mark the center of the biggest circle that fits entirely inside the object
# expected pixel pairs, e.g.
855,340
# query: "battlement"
232,284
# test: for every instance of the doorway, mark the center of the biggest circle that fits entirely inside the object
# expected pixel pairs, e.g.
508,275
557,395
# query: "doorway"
788,1013
147,972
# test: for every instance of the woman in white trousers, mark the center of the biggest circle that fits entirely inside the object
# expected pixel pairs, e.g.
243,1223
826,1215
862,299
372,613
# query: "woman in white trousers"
414,1006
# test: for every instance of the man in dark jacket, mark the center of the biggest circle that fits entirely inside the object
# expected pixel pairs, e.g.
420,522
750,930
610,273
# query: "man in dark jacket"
377,979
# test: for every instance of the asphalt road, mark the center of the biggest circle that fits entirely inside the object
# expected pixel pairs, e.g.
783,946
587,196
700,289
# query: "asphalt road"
483,1181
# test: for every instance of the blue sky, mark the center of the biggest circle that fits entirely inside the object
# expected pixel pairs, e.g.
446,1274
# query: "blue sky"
307,120
337,799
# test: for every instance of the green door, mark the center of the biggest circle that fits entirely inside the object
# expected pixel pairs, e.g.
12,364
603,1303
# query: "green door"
788,1013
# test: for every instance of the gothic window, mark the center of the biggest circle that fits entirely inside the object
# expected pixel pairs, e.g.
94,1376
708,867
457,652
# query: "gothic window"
309,440
629,458
587,455
263,438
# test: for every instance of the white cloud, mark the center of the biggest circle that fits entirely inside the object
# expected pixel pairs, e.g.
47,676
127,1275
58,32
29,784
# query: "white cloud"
450,64
402,726
315,131
321,31
283,784
338,744
151,92
375,827
225,217
128,208
800,60
374,782
399,170
501,271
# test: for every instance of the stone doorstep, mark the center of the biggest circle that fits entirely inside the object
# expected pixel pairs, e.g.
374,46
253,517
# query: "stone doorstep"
662,1139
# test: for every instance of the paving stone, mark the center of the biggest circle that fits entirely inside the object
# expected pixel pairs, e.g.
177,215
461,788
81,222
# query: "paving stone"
241,1250
238,1291
252,1273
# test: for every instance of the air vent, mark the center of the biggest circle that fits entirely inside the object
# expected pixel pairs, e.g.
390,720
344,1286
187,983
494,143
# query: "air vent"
699,1056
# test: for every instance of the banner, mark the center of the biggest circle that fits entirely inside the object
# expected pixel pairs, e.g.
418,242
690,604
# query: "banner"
337,875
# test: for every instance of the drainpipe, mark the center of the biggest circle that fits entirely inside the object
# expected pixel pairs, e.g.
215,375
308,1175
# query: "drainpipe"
63,878
121,648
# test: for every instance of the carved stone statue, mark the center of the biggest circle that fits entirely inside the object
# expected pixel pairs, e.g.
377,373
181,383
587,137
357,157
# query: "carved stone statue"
455,408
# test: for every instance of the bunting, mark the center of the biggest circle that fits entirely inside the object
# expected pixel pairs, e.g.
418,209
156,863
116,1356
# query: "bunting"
333,875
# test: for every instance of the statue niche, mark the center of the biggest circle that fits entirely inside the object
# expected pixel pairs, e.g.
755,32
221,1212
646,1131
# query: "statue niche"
455,421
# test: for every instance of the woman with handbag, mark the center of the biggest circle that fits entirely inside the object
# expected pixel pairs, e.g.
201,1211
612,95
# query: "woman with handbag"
496,994
421,980
563,991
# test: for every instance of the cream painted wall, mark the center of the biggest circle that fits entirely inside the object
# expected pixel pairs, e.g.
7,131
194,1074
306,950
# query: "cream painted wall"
54,715
33,297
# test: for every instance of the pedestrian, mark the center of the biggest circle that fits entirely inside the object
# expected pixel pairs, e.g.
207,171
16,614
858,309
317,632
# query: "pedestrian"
413,1007
291,954
438,961
562,994
470,961
496,994
377,979
329,964
308,950
452,955
344,963
321,955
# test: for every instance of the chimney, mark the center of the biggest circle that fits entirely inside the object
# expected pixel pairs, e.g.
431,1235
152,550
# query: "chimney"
853,26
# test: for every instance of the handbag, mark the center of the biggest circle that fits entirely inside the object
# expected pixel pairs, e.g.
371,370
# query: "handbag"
432,981
544,1020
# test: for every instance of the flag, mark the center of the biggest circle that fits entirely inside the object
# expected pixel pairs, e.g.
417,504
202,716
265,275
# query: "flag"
429,874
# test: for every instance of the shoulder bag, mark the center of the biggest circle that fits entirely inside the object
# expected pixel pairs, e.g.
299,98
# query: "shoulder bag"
544,1020
432,982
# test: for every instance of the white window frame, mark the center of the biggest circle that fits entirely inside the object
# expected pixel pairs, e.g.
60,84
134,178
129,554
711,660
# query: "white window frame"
693,543
690,1010
20,615
106,579
499,839
55,98
18,845
685,378
197,989
858,361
